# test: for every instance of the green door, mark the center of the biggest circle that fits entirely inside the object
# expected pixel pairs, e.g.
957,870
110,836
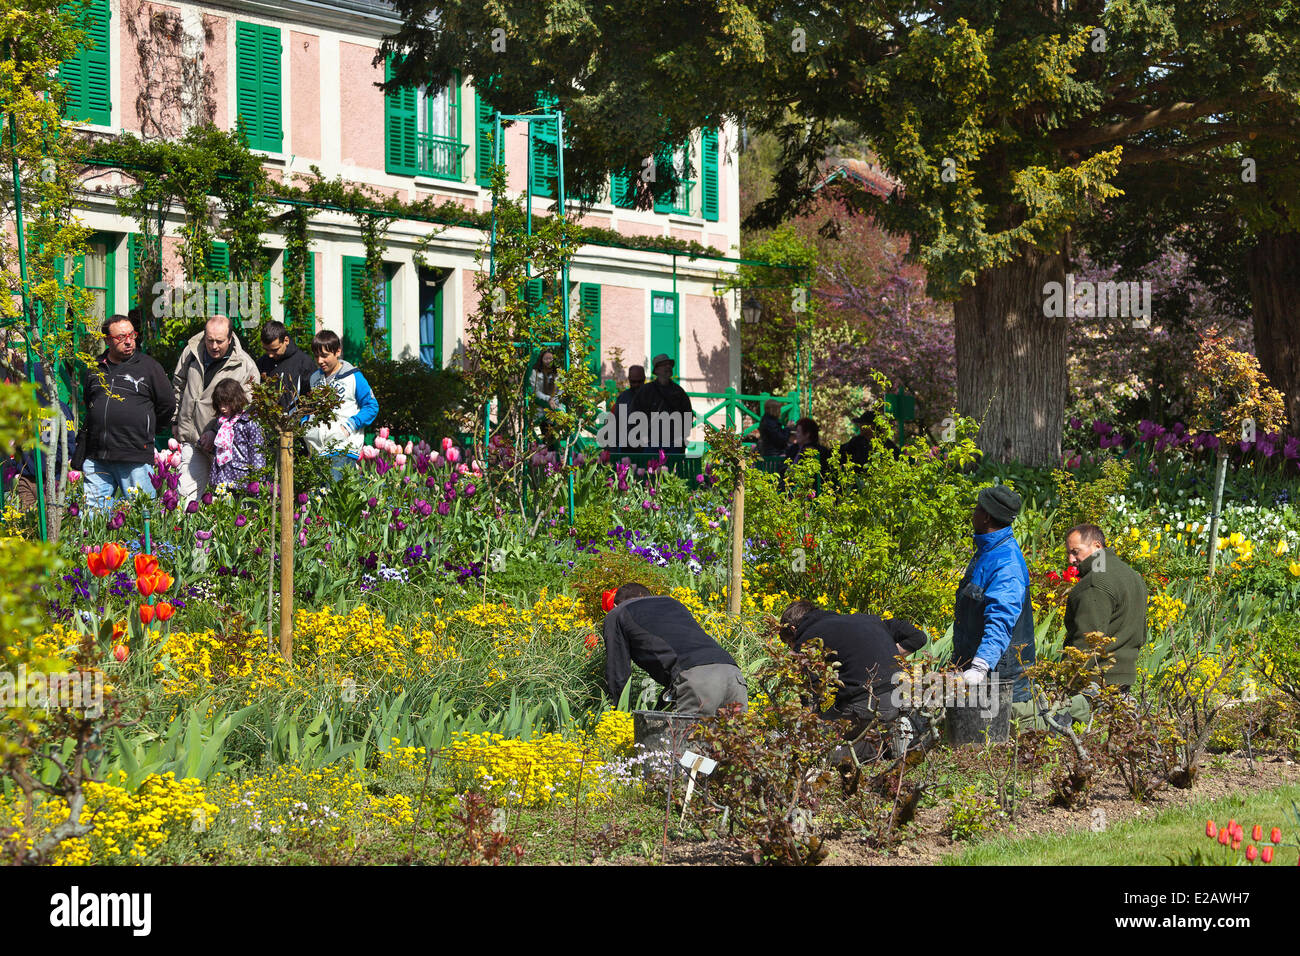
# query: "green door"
663,329
355,347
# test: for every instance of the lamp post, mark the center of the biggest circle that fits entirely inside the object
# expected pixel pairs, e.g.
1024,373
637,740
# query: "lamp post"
751,311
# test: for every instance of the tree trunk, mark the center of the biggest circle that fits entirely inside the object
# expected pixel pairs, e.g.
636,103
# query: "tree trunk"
1273,271
1011,360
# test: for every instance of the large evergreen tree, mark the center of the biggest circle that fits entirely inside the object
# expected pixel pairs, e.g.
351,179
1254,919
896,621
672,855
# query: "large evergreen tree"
1006,122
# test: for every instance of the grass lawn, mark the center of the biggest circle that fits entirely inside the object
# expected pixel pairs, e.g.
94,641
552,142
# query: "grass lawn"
1148,842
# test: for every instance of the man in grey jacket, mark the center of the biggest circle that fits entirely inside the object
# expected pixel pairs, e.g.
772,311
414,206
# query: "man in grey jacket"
209,357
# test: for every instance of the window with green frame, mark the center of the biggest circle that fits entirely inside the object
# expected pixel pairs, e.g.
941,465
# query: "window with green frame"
677,199
356,347
219,263
86,77
257,85
422,131
94,272
544,137
664,329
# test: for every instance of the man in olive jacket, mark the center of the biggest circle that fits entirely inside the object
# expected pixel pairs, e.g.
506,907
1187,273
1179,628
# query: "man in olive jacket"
1109,597
210,356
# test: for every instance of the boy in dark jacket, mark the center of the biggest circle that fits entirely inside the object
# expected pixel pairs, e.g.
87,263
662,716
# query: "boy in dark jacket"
129,398
662,637
292,365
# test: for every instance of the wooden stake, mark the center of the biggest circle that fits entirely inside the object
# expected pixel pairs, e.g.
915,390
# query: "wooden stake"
286,546
737,543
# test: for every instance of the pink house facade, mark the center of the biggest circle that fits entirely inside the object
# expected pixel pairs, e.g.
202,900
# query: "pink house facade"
302,75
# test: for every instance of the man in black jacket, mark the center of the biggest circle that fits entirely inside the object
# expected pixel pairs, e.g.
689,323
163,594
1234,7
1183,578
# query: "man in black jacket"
661,635
129,398
865,647
285,359
664,397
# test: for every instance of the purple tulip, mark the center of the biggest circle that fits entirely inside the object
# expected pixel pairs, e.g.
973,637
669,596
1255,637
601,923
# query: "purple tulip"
1291,450
207,498
469,490
202,535
699,479
645,505
73,510
371,502
444,509
604,456
1075,422
622,484
254,487
192,508
302,498
240,521
118,519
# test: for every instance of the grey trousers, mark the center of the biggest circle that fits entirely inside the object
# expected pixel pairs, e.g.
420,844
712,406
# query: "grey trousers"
705,689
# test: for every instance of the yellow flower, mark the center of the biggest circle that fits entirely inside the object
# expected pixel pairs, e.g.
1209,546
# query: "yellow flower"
1282,548
1294,568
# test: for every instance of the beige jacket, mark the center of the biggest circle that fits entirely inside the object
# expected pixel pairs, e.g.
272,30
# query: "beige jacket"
194,410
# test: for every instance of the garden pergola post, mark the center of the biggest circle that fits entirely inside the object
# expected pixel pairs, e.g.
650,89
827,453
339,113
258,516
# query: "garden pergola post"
286,546
737,542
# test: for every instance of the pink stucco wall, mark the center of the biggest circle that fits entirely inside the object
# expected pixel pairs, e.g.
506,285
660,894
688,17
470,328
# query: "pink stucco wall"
639,228
304,66
622,325
705,347
216,57
362,114
131,83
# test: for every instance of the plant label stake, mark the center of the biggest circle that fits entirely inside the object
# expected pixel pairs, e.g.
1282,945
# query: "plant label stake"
696,764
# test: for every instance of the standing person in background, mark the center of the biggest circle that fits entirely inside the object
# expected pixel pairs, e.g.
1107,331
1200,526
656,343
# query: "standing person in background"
210,356
542,380
773,436
993,629
1109,597
663,395
627,398
284,359
342,437
128,400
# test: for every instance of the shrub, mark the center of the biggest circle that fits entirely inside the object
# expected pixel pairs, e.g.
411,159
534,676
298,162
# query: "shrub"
971,814
417,399
594,574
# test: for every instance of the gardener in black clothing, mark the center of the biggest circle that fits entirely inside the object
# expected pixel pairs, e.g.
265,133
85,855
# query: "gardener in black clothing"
660,635
285,359
865,647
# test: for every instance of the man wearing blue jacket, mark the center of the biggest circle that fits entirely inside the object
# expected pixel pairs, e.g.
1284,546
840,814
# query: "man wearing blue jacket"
342,436
994,617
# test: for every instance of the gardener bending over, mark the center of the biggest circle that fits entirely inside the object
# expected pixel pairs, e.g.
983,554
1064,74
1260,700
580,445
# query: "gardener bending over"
661,636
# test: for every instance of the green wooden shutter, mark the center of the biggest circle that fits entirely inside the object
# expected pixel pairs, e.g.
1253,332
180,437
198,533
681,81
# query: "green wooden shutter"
219,259
589,303
401,148
134,247
620,190
483,129
354,315
532,291
663,160
709,174
311,292
86,76
545,138
269,49
248,82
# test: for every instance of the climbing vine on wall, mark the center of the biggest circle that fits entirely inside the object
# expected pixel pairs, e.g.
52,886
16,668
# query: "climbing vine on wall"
299,307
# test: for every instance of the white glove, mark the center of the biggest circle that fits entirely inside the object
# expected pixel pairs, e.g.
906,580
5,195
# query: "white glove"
978,671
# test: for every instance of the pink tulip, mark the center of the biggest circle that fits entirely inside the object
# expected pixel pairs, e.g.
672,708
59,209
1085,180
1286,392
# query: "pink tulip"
453,454
410,447
383,433
446,443
461,468
401,460
173,444
436,460
474,467
74,475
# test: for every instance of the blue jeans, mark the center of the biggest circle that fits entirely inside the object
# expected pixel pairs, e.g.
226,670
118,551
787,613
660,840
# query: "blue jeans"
103,478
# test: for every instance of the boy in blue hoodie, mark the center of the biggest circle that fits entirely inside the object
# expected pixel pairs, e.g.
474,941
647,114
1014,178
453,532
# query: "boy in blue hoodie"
343,436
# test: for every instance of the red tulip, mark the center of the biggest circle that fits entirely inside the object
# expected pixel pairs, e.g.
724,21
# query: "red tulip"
1209,829
1232,825
146,614
95,562
1236,844
1071,573
1257,833
1223,835
119,632
162,581
591,640
1251,853
113,554
1053,577
145,564
1275,836
120,653
1266,854
164,611
607,601
146,585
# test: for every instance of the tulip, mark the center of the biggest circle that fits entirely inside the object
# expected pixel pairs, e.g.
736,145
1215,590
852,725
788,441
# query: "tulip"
453,454
1236,845
73,510
207,498
1275,835
1266,854
444,509
119,652
302,497
1209,828
401,460
383,432
410,447
146,585
1257,833
240,521
1223,836
164,611
607,600
173,444
145,565
95,562
192,508
254,487
202,535
446,444
74,475
146,614
1251,853
469,490
114,555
